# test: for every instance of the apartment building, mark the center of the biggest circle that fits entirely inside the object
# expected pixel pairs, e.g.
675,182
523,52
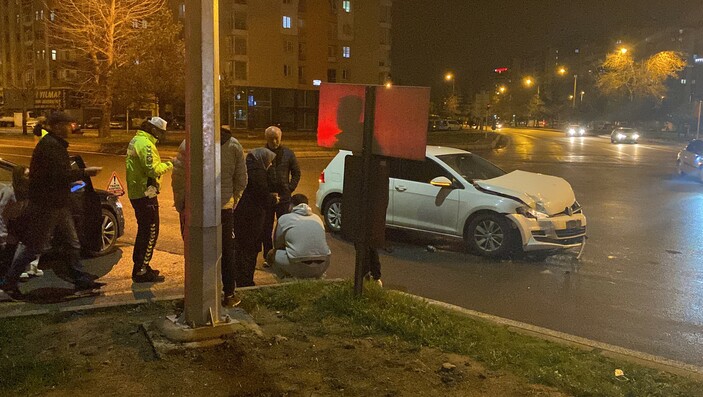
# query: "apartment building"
274,54
35,73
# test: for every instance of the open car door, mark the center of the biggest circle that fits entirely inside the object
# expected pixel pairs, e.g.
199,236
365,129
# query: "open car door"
86,208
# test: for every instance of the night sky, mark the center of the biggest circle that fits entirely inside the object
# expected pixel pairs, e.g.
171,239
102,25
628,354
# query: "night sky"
471,38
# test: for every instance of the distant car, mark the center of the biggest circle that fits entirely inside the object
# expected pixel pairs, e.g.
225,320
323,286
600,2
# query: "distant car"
76,128
690,160
624,135
97,213
575,130
453,125
457,194
7,120
92,123
119,122
438,125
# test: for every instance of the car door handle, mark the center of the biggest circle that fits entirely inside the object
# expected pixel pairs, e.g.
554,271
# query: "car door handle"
401,188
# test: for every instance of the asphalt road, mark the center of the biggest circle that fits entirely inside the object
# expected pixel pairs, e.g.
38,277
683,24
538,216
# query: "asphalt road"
639,284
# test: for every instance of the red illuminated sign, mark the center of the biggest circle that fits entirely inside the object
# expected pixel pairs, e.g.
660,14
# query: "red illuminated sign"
500,70
400,125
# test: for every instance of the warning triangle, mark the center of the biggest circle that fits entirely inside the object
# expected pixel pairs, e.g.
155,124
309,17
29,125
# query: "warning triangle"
115,186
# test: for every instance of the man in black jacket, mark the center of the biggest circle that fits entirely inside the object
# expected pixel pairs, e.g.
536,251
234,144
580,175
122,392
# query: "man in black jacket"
284,176
48,213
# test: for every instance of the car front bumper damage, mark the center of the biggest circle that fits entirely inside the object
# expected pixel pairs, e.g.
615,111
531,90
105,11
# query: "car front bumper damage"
558,232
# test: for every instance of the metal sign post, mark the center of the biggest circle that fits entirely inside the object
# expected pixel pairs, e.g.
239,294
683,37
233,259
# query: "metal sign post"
203,233
362,248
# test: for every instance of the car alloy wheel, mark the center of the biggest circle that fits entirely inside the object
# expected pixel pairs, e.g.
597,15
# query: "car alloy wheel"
489,235
332,210
108,230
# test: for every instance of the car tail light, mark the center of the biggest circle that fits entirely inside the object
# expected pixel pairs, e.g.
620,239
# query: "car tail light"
321,179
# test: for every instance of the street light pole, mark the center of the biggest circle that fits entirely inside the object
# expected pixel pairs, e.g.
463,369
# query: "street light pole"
573,99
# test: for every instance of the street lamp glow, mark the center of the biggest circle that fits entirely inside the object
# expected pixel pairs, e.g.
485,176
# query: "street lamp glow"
388,84
623,50
562,71
502,89
571,97
528,82
450,77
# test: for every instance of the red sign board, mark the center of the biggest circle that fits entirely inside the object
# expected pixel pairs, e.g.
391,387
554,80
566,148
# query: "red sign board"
400,125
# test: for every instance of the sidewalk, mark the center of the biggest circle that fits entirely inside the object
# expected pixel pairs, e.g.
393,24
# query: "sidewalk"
48,294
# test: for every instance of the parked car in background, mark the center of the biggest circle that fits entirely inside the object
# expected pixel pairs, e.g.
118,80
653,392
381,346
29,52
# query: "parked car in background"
453,125
455,193
689,161
97,213
7,120
624,135
92,123
118,122
437,125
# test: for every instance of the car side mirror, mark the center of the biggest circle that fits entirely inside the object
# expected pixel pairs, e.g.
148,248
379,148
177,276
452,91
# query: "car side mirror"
441,181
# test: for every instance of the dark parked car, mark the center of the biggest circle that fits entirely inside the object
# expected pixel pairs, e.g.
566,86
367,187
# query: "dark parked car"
97,213
92,123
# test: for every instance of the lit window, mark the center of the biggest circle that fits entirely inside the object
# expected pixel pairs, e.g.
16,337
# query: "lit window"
346,5
683,81
286,22
53,55
346,52
286,70
52,15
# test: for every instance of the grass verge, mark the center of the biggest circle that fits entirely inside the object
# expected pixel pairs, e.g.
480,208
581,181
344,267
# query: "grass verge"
380,312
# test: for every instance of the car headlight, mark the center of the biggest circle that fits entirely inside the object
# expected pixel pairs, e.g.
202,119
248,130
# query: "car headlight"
582,131
620,136
635,136
531,213
571,131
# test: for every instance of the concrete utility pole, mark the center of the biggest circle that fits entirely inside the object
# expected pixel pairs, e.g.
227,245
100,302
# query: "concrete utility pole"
203,235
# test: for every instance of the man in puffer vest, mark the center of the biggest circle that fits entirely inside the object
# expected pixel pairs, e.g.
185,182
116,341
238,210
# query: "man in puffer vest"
144,172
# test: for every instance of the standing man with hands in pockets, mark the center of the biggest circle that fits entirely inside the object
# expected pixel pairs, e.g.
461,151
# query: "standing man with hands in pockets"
283,176
144,172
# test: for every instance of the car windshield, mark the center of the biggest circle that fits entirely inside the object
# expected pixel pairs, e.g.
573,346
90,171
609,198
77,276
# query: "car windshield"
471,167
626,130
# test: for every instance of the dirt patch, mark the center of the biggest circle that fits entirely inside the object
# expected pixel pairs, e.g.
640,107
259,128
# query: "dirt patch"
107,354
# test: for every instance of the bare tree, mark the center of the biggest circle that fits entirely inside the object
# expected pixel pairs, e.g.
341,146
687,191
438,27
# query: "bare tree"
102,32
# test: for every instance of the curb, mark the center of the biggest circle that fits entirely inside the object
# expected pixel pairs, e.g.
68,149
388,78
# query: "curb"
605,349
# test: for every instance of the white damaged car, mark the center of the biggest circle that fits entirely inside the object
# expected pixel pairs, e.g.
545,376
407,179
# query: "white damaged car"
458,194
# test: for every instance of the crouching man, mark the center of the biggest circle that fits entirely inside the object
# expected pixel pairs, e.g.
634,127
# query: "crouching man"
300,246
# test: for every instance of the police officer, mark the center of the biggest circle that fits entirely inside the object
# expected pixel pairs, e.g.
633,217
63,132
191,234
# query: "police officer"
144,171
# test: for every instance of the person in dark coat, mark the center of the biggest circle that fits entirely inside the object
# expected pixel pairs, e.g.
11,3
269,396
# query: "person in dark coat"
48,213
284,176
249,216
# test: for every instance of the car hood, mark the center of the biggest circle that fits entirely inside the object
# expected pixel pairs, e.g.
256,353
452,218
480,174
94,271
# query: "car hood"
545,193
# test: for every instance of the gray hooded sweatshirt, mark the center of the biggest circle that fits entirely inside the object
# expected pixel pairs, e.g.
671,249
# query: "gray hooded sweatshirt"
302,234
